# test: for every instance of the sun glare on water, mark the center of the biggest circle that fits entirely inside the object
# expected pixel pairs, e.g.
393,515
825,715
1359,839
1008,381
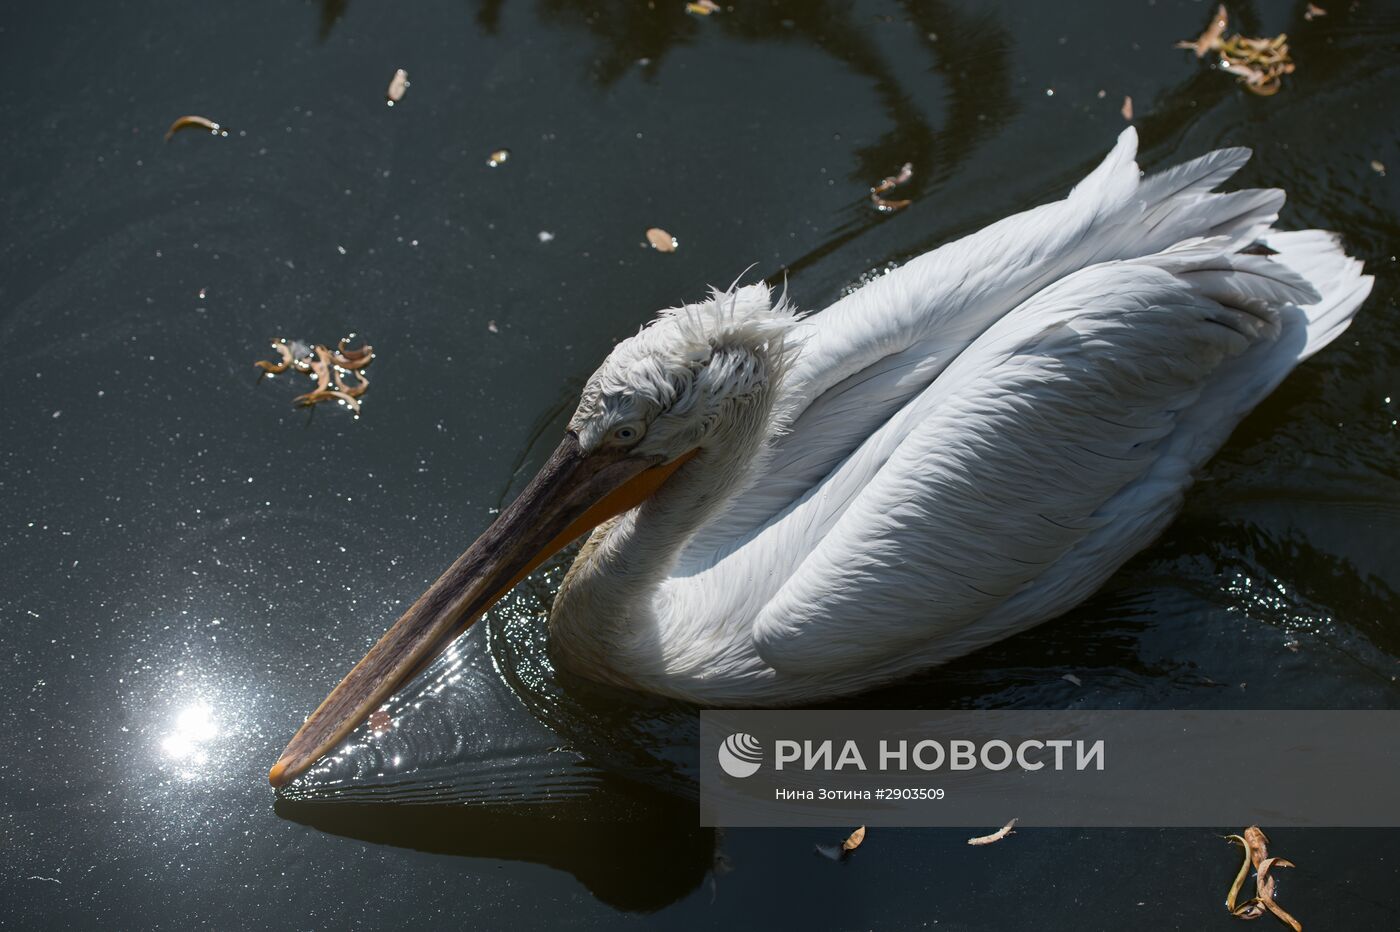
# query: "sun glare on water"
188,742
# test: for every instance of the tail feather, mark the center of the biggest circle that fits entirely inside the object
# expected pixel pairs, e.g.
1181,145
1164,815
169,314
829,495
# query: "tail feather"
1244,215
1146,215
1317,256
1308,318
1200,175
1115,179
1241,216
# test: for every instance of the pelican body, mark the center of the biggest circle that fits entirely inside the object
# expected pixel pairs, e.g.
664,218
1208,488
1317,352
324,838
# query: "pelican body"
785,508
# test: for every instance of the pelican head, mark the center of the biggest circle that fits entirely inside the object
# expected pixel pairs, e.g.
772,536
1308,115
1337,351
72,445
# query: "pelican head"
684,379
699,378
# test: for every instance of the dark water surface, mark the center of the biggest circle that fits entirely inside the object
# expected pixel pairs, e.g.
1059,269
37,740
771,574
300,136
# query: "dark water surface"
189,563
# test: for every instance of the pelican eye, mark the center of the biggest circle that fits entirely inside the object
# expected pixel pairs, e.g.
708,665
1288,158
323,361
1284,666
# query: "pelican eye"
627,433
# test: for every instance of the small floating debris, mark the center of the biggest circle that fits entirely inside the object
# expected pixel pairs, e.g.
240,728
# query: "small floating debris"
330,368
1313,12
195,122
1378,167
662,241
1210,39
1127,109
1259,63
883,205
1071,678
842,851
998,835
702,8
498,158
1256,854
398,85
545,236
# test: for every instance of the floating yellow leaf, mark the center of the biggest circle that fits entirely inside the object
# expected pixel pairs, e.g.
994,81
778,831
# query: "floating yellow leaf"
854,840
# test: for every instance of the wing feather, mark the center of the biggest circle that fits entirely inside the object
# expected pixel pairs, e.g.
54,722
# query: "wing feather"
1056,410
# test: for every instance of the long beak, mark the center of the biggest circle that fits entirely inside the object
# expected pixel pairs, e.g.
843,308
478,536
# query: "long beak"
572,493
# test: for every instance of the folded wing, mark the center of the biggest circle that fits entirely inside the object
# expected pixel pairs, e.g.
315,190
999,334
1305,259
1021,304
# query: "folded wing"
1072,424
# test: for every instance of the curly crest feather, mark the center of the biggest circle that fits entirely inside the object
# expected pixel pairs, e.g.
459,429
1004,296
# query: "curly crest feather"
683,373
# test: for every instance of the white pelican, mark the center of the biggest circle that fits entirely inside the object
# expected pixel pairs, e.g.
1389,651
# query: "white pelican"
786,509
